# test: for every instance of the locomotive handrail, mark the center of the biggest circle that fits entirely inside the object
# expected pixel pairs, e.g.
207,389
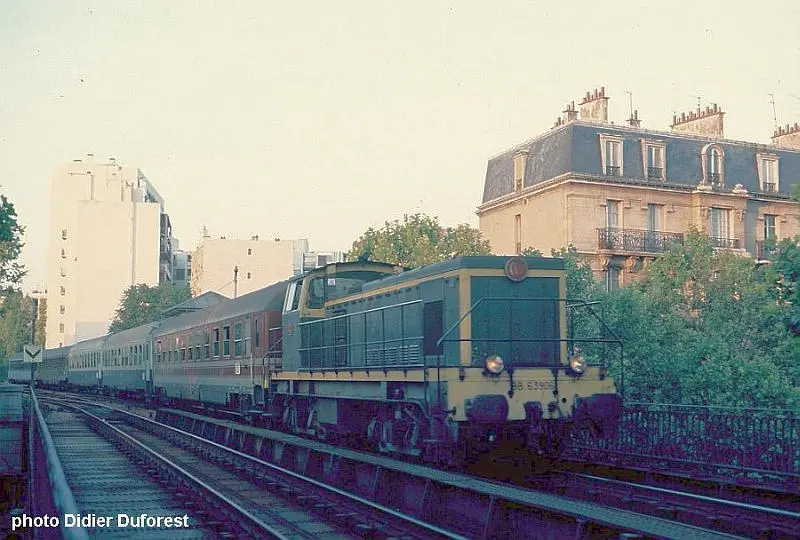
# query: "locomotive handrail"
405,341
580,303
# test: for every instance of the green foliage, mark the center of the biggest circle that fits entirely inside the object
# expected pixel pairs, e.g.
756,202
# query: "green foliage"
15,326
14,319
416,241
705,327
142,304
11,272
41,323
784,272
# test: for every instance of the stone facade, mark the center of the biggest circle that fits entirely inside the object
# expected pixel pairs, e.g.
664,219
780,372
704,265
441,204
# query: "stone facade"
621,194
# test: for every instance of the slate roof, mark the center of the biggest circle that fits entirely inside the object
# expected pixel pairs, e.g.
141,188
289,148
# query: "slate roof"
575,148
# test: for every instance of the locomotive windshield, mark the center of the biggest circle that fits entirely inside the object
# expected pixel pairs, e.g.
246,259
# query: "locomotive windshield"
325,288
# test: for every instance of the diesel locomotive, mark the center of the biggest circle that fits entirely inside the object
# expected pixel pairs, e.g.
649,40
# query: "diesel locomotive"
458,357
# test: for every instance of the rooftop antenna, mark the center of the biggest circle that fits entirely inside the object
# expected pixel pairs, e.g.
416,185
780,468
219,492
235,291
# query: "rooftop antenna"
630,99
774,114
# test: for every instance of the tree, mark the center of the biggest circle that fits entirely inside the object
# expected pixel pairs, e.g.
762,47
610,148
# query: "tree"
416,241
703,327
41,323
142,304
11,272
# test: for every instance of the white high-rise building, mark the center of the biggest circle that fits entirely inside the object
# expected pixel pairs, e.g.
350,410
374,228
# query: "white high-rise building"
108,231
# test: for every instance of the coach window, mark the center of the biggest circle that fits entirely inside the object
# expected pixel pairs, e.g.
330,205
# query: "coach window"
432,327
237,339
226,346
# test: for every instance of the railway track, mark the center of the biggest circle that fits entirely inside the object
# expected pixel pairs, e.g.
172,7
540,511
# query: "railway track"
104,468
280,507
729,516
703,511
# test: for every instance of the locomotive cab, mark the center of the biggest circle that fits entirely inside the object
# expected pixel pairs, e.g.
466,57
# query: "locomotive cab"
306,300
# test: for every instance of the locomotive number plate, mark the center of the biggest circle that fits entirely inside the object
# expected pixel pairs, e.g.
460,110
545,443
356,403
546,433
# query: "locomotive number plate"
519,386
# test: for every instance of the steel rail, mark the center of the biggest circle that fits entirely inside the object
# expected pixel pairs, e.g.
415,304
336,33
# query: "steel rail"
696,496
62,494
298,477
254,521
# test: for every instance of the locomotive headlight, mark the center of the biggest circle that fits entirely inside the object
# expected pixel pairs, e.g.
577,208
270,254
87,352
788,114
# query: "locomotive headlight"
577,364
494,364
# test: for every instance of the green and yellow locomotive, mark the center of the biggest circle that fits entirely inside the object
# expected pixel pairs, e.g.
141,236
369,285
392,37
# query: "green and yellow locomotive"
445,360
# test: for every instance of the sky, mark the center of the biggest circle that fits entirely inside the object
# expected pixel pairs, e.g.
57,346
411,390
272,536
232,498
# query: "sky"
320,119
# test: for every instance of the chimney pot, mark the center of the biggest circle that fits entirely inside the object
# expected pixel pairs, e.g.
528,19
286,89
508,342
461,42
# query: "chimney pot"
602,91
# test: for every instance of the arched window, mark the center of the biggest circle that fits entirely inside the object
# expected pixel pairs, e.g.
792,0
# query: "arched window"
713,165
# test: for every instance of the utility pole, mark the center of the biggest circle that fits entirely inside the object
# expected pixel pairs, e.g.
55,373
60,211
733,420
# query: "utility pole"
34,318
235,280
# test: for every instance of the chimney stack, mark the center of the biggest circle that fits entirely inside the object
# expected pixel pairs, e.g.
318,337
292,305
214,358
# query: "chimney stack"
594,107
634,121
706,122
570,113
787,137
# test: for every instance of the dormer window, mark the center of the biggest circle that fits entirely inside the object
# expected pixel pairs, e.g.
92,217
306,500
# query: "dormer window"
519,169
713,165
654,160
611,155
767,172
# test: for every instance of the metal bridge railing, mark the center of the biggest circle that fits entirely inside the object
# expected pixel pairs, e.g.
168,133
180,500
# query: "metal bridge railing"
49,492
749,440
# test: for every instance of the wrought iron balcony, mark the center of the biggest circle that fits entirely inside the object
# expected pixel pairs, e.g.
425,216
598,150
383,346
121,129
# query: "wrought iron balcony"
714,178
769,187
655,173
612,170
725,243
765,249
636,240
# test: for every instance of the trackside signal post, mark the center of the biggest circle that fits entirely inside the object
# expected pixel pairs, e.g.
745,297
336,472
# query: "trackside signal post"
33,353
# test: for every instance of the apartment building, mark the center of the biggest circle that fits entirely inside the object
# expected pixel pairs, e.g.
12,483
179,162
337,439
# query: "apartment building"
108,231
622,193
232,267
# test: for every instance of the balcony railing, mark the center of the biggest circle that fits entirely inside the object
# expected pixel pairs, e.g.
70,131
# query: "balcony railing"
612,170
655,173
725,243
636,240
765,249
714,178
769,187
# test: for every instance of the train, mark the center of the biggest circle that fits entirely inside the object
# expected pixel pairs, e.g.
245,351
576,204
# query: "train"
459,357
